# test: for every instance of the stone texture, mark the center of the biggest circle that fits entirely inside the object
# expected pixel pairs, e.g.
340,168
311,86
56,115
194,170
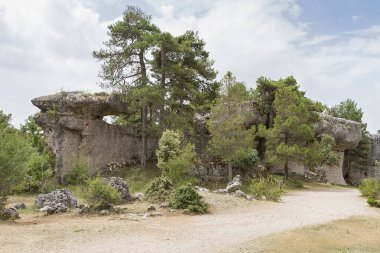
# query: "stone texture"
74,129
121,186
347,133
55,202
20,206
11,213
235,184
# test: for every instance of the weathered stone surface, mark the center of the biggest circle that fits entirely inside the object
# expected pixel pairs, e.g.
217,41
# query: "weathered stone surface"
20,206
347,133
235,184
138,196
201,189
11,213
121,186
74,129
56,202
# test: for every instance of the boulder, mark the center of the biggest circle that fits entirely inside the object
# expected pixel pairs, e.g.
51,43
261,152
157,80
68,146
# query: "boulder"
20,206
139,196
234,185
55,202
241,194
121,186
347,133
11,213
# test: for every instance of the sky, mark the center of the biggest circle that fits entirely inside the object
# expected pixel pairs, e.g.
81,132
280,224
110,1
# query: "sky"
332,47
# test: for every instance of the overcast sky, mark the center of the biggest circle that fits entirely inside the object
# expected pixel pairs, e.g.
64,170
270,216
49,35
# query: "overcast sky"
332,47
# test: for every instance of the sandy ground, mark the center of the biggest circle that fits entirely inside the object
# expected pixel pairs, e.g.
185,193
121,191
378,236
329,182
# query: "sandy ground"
232,223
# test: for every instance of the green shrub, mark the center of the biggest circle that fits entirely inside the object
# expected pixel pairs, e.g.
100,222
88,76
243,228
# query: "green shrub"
174,156
159,190
78,174
185,197
373,202
370,187
268,187
294,183
101,195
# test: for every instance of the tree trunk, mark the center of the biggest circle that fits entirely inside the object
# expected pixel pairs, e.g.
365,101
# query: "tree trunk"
162,84
144,113
286,169
229,171
144,139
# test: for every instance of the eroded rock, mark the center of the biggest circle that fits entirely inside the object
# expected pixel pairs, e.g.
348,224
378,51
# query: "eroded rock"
121,186
56,202
11,213
235,184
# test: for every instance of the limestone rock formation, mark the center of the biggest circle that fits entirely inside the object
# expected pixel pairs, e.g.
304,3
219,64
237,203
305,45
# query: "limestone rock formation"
74,129
121,186
347,133
55,202
234,185
11,213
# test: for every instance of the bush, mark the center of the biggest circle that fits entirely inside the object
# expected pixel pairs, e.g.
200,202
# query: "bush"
294,183
174,156
373,202
159,190
78,174
268,187
370,187
101,195
185,197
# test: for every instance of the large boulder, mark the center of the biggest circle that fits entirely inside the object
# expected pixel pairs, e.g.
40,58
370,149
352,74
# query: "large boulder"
57,201
234,185
121,186
11,213
347,133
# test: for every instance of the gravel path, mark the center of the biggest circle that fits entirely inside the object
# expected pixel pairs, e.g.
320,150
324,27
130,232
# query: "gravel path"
232,223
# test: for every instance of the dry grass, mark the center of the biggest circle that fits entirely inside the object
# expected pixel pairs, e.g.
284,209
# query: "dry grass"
354,235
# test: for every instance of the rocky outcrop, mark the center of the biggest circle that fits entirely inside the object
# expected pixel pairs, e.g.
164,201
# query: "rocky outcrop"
121,186
235,184
74,129
56,202
347,133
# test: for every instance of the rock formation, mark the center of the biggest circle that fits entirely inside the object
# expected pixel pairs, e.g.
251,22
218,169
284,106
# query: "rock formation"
74,129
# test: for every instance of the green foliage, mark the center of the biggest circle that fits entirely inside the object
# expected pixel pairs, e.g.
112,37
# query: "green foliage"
101,195
79,174
322,152
185,197
268,187
292,133
159,190
373,202
294,183
370,187
174,156
15,152
347,109
230,140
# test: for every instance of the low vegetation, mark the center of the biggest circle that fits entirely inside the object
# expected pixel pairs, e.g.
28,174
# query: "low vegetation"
159,190
267,187
101,195
185,197
370,188
79,174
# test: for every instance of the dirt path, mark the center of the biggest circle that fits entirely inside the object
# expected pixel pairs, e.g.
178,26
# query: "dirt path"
232,223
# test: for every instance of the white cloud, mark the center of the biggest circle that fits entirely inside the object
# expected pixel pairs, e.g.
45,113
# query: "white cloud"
46,45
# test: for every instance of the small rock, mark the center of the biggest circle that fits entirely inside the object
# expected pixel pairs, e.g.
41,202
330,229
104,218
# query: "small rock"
11,213
104,212
235,184
241,194
20,206
163,205
151,209
139,196
220,191
201,189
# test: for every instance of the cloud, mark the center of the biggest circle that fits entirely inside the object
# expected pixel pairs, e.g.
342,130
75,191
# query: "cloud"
265,38
45,46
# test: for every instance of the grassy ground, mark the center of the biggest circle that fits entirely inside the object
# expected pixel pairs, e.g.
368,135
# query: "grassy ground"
354,235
